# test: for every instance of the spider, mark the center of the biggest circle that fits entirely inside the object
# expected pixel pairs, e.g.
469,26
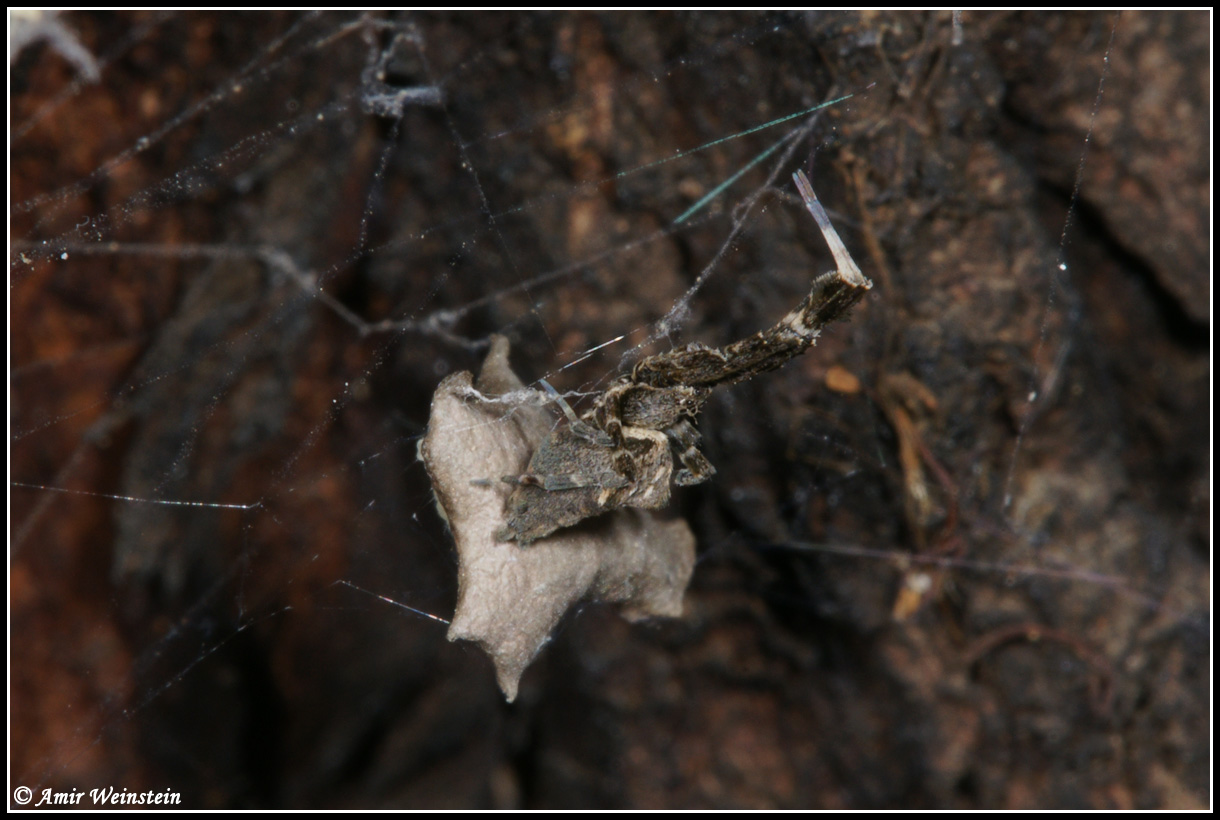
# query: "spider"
620,453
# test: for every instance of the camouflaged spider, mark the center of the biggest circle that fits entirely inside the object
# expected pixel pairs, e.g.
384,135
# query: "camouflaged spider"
619,453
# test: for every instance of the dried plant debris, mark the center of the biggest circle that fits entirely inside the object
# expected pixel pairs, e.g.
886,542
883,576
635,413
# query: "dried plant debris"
621,452
511,597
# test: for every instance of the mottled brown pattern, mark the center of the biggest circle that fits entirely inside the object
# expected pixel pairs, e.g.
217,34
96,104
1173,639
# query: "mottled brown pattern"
618,455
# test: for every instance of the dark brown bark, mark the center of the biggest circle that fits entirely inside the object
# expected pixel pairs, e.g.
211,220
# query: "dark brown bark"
917,586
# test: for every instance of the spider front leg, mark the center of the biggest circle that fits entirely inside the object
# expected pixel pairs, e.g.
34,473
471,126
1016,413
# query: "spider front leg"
695,467
607,413
588,432
829,298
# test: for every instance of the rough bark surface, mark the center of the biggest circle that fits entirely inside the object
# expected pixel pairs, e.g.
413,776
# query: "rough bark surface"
918,587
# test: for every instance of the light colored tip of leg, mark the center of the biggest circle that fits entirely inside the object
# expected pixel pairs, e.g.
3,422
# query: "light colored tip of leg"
848,269
563,405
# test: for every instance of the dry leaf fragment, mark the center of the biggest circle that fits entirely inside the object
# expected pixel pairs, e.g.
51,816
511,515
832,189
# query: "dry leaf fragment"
510,598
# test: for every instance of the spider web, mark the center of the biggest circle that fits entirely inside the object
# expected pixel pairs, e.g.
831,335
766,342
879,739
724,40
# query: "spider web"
245,249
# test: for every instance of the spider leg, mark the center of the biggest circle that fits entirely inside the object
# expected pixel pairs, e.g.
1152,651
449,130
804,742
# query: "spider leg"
587,432
569,461
843,261
830,297
695,467
567,481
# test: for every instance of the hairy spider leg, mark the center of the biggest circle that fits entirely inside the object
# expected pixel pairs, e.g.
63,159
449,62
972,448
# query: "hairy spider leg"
695,467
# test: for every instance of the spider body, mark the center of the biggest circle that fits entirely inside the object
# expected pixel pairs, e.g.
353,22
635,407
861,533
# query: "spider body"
621,452
629,403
